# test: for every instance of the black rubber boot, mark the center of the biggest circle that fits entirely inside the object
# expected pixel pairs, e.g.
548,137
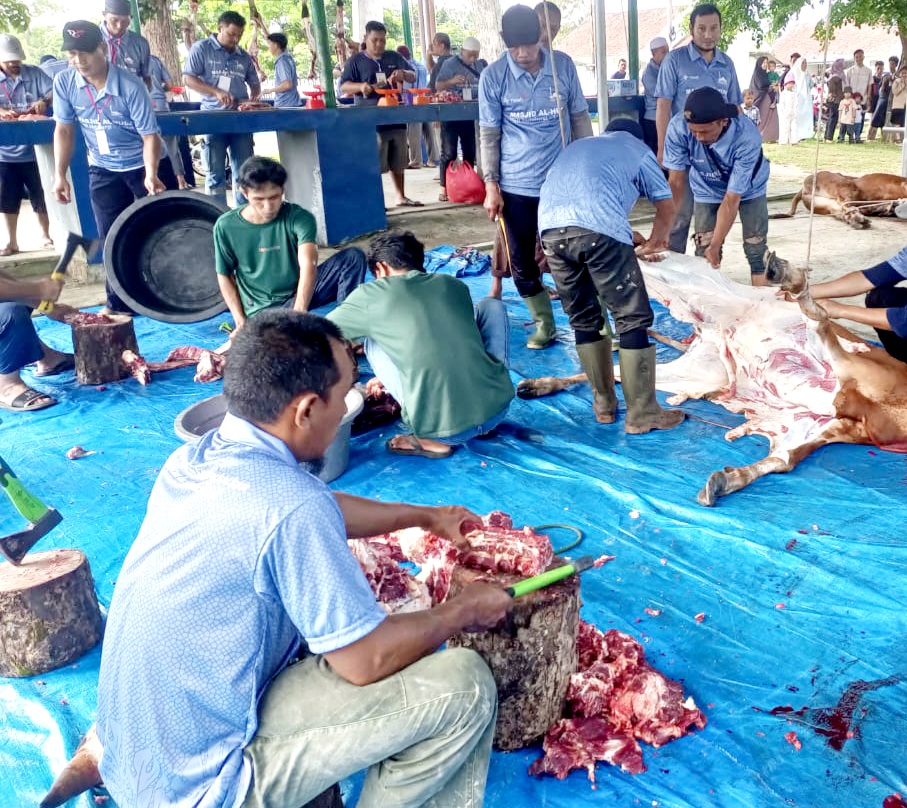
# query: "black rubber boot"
598,362
637,378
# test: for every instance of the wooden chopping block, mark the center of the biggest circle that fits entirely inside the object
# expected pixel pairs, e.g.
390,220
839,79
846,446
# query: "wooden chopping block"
99,349
532,657
49,612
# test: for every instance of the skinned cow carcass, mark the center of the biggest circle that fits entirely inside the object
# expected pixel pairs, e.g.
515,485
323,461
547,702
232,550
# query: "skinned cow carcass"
800,380
850,199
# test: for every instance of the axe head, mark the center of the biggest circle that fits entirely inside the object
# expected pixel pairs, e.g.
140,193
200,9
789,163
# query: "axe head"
16,545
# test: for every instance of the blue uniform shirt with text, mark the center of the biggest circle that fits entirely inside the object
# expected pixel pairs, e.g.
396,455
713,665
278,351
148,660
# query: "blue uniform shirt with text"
736,153
19,93
525,109
159,77
232,71
129,51
122,109
285,70
684,70
596,181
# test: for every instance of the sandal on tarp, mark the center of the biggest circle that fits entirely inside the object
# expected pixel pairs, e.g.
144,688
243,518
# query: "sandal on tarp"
415,449
26,401
68,362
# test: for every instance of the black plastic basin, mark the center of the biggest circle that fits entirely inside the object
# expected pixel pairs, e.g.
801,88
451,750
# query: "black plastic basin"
159,257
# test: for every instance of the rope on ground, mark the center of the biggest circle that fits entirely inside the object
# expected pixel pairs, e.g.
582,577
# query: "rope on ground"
556,526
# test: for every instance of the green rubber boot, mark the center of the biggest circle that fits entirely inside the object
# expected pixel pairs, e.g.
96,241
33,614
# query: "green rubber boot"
606,329
543,316
637,378
598,362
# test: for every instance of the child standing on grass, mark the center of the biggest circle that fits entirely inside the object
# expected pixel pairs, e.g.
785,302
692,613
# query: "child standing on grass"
846,114
858,118
788,112
749,108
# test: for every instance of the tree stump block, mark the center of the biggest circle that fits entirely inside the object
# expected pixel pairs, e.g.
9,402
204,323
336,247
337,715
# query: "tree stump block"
99,348
532,657
49,613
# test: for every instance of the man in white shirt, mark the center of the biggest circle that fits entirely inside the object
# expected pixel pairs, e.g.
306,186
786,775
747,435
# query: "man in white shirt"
859,76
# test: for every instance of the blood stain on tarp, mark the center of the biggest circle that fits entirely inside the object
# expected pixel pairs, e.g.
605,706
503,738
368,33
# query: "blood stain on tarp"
894,801
839,723
790,545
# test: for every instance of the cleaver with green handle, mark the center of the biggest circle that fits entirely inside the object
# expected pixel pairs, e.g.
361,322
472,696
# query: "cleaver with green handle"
528,585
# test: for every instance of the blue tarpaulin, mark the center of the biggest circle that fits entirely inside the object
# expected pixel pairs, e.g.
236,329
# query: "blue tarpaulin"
801,578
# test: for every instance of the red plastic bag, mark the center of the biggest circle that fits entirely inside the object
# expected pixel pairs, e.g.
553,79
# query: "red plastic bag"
463,184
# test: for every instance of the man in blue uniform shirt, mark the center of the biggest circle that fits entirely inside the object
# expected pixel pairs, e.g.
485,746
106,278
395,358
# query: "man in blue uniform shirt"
241,567
113,110
285,90
23,89
524,124
718,153
125,49
659,49
219,69
587,239
161,82
698,64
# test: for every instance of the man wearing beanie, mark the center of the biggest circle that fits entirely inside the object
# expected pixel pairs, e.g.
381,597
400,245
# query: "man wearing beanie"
459,74
587,238
525,123
125,48
699,64
113,109
719,155
23,89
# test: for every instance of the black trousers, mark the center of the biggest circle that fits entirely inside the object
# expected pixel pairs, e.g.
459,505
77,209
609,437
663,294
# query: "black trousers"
521,223
16,178
586,265
451,132
889,297
831,108
650,134
111,192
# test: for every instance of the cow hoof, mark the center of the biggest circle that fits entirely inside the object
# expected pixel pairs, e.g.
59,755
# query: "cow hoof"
713,489
527,389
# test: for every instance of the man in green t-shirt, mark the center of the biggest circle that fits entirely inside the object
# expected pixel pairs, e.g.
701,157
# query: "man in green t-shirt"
444,362
266,255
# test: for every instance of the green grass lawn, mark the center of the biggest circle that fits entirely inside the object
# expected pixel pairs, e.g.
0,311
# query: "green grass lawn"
856,158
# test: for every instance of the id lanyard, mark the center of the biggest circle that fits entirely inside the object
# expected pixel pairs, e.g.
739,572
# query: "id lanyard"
9,98
100,133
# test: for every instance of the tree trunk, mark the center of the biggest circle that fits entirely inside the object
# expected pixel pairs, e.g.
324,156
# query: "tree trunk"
532,656
159,30
49,613
99,349
486,15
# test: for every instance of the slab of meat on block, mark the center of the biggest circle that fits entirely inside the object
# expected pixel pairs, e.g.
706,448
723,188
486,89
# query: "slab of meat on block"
394,588
578,743
531,656
497,547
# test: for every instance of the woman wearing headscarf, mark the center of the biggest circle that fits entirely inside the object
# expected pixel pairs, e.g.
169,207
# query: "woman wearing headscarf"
799,71
761,84
834,92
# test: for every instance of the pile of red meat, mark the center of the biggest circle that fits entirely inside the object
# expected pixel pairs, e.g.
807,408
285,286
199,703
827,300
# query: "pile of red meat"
493,547
615,700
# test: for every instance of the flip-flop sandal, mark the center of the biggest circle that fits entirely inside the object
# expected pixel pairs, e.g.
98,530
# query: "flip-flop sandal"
25,401
48,243
411,203
442,197
415,449
7,251
67,363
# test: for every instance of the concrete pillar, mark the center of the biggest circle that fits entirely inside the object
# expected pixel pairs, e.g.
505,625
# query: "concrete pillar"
362,12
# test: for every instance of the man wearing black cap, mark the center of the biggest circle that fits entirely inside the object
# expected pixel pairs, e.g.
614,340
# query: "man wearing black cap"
125,48
588,241
525,121
113,109
720,155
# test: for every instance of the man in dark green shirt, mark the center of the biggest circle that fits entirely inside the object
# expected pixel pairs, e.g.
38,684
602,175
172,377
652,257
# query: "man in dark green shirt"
266,254
444,362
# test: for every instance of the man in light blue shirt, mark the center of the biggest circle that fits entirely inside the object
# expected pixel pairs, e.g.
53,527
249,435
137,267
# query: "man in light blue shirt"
52,65
718,154
24,89
586,236
112,108
242,567
125,49
416,133
698,64
219,69
161,82
285,90
659,49
524,125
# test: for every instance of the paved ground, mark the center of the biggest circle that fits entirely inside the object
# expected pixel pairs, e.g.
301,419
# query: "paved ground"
835,248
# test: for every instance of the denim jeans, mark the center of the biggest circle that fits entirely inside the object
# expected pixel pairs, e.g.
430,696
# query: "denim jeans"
451,133
424,734
337,277
19,343
215,150
494,326
753,219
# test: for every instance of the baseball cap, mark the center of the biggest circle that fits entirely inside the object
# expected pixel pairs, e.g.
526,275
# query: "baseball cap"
658,42
520,26
81,35
471,44
10,49
707,105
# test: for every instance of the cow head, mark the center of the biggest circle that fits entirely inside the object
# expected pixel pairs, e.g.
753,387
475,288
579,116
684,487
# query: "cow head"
782,273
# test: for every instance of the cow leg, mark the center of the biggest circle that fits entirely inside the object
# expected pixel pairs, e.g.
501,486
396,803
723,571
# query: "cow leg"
722,483
546,385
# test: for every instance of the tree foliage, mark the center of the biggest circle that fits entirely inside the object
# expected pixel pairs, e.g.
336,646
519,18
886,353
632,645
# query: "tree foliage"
14,16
